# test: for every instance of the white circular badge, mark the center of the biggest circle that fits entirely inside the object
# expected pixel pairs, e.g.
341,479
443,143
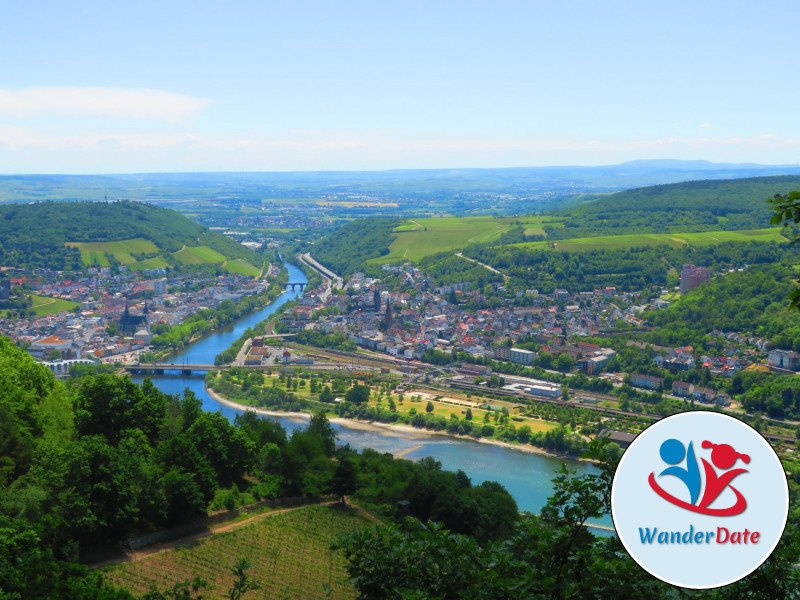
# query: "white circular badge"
700,500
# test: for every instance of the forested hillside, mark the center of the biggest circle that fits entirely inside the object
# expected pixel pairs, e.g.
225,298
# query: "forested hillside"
347,249
35,235
627,269
686,207
754,301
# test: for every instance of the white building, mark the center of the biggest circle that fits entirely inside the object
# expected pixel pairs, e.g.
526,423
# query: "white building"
521,357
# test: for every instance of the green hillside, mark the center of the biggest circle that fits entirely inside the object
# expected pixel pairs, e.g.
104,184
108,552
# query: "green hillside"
349,248
73,235
675,240
418,238
688,207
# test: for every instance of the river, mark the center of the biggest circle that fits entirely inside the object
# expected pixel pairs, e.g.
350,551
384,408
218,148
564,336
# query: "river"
525,475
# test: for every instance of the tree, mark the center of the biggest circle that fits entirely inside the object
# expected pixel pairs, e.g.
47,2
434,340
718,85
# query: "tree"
429,407
358,394
787,209
345,479
468,414
227,448
321,427
564,363
326,395
107,405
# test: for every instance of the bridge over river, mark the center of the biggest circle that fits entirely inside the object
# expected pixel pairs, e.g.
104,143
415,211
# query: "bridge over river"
183,368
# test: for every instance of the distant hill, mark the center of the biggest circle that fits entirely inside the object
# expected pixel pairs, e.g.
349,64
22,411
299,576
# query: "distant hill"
691,206
73,235
418,192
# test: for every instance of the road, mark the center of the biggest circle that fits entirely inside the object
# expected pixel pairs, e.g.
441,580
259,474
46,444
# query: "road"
334,281
484,265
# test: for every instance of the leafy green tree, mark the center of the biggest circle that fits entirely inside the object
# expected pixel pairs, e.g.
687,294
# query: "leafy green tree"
787,209
345,479
326,395
358,394
429,407
29,569
321,427
228,449
564,363
108,405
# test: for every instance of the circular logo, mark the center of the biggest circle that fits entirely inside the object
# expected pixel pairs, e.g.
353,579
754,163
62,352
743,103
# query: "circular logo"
699,500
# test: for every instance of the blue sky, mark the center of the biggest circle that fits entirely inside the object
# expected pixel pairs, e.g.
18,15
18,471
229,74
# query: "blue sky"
91,87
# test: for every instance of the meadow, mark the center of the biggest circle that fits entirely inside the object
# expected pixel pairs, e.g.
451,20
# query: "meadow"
676,240
290,553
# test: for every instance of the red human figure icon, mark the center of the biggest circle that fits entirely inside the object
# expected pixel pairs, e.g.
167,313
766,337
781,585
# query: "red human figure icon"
724,457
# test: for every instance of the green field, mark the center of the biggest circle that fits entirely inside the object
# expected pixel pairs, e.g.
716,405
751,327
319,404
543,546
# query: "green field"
417,238
94,253
242,267
43,306
290,554
706,238
198,255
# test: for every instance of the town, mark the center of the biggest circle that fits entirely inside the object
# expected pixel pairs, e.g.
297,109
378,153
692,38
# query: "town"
118,316
115,314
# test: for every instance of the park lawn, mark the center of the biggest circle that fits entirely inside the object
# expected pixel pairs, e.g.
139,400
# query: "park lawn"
445,409
290,553
44,306
242,267
198,255
613,242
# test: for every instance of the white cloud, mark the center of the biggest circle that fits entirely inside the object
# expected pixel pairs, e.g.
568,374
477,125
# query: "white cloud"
22,138
99,102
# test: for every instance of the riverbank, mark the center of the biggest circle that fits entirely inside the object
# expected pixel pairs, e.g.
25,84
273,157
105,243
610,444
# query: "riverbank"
395,429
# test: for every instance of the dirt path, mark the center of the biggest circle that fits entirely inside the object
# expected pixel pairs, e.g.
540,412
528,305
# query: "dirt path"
485,266
137,555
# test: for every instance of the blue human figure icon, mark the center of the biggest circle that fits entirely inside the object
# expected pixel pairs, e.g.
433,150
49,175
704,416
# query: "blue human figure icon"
672,453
